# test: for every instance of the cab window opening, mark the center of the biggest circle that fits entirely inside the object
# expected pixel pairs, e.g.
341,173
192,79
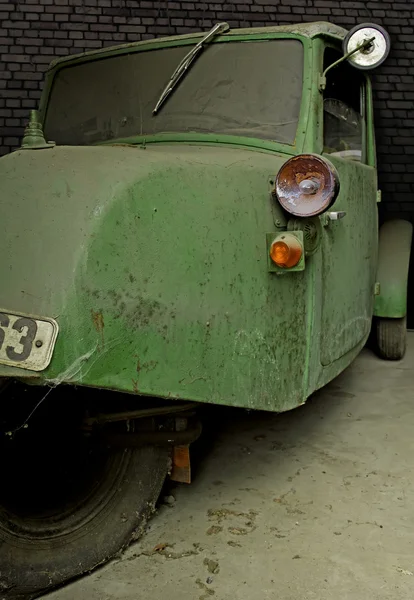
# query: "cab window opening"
343,114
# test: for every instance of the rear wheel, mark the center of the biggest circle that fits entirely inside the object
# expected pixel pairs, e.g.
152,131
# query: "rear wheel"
392,338
68,504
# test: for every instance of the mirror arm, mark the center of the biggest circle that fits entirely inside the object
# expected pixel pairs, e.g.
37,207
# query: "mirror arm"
322,78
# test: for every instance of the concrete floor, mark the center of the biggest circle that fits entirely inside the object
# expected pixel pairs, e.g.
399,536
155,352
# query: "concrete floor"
313,504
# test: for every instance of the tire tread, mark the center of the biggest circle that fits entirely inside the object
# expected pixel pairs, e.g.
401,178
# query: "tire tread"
392,338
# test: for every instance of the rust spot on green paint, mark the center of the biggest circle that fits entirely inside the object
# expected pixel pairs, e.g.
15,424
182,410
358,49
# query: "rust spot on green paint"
147,366
98,323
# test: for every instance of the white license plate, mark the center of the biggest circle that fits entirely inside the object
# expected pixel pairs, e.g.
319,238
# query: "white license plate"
26,342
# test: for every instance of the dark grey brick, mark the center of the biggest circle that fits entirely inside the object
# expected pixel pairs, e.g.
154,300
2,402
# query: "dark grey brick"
13,103
58,44
87,44
12,141
58,9
47,26
31,8
12,123
74,26
16,58
30,41
15,25
90,11
62,51
103,28
139,29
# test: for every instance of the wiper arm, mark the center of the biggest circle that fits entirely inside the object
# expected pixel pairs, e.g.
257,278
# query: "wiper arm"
184,65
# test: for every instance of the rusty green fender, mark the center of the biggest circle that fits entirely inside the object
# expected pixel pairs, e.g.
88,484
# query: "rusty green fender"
393,264
154,264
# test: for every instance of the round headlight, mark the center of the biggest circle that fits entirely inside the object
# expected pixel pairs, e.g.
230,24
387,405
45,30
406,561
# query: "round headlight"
307,185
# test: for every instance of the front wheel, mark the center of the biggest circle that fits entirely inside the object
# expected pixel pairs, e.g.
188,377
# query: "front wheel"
68,504
392,338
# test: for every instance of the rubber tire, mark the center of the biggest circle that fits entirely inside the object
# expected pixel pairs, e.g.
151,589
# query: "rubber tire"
392,338
116,514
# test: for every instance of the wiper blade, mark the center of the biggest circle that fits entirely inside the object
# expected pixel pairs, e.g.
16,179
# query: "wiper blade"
184,65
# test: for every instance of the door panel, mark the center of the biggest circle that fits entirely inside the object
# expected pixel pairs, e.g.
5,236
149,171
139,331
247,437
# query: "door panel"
349,262
349,250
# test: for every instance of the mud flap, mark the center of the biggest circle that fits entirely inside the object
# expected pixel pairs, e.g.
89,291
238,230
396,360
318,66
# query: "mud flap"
393,265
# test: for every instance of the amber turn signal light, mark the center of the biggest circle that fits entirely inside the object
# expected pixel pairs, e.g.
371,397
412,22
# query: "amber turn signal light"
286,251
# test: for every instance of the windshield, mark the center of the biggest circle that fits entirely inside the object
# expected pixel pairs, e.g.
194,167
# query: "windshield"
248,89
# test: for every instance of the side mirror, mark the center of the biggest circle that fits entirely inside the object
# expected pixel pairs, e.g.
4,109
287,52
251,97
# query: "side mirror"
365,47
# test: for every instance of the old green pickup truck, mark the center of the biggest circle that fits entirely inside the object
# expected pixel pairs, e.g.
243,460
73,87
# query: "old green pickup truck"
189,220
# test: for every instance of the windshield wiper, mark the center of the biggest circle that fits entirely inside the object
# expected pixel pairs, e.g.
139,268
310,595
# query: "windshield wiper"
184,65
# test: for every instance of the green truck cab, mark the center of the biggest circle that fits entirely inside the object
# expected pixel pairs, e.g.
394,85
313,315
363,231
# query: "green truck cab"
189,220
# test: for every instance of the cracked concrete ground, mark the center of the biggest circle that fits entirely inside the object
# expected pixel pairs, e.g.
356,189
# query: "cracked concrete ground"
315,504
